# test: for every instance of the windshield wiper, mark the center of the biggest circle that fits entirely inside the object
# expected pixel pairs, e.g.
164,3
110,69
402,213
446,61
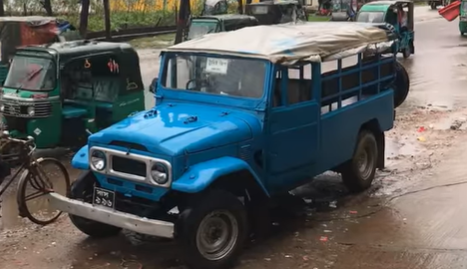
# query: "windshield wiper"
29,77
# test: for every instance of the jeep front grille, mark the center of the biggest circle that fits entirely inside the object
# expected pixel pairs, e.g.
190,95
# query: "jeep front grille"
17,108
128,166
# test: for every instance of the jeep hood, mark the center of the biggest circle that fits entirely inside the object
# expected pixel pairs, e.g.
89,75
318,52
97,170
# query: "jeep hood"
171,129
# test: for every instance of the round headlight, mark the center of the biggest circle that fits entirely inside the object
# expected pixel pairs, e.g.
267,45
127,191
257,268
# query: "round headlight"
2,108
98,160
31,111
159,173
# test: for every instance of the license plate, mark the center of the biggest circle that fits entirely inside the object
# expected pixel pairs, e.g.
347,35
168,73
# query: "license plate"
104,197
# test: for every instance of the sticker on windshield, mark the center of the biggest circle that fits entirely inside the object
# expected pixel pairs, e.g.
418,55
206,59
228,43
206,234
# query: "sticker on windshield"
218,66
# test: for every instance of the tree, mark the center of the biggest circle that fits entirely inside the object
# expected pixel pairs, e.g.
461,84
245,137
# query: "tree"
240,6
183,15
2,9
47,6
83,18
107,19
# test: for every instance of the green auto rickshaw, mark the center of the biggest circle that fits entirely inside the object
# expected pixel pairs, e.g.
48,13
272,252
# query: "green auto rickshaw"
399,14
463,17
60,93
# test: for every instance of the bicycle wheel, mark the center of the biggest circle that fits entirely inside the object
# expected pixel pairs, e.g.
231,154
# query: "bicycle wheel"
48,174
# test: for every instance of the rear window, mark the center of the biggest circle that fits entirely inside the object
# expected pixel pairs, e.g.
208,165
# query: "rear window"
200,28
371,17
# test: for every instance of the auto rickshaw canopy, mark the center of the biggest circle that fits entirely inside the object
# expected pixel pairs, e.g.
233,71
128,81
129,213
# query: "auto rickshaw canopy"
385,5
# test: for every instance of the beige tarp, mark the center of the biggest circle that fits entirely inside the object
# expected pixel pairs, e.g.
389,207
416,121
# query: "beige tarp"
289,43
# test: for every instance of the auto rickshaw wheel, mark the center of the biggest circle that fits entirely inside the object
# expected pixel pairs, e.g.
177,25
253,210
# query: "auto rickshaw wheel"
92,228
433,5
406,52
212,230
359,172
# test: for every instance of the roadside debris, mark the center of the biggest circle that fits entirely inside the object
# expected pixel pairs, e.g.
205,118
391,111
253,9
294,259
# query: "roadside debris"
323,239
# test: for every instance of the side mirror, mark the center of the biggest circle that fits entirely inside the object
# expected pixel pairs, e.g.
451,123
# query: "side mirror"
153,86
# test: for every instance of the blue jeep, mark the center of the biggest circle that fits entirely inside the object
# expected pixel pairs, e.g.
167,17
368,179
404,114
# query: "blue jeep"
234,127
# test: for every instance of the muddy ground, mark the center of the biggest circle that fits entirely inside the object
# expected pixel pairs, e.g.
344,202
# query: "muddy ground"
413,216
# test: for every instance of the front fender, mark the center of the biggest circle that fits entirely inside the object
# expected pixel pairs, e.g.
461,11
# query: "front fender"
201,175
81,159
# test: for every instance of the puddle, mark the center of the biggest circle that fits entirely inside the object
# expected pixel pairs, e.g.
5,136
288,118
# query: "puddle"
400,147
452,122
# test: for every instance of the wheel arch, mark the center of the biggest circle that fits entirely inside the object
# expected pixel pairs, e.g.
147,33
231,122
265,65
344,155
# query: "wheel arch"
227,173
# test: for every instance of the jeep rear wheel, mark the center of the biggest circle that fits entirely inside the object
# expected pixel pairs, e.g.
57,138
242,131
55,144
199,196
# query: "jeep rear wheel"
212,230
359,172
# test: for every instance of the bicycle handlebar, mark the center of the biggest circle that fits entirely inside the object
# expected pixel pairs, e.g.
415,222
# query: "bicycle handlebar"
6,135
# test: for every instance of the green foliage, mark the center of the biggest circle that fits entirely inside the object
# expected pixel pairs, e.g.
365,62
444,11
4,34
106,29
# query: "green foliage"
122,20
133,17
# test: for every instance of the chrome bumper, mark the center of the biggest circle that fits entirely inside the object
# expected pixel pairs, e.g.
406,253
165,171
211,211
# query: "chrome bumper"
112,217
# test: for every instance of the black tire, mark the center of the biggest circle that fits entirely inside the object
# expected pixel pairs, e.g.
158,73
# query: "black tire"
91,228
196,214
401,85
433,5
38,179
406,52
353,177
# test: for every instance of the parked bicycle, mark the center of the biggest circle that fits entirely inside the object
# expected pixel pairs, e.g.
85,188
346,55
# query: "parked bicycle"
33,176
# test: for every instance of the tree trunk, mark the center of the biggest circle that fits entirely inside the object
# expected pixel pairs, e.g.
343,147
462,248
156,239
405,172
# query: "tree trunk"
2,9
107,19
83,18
183,15
240,6
48,8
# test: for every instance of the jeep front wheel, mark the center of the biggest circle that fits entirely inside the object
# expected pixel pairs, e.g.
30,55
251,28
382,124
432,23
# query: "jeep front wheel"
360,171
212,230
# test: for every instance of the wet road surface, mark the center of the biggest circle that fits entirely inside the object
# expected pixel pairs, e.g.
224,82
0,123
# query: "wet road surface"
377,229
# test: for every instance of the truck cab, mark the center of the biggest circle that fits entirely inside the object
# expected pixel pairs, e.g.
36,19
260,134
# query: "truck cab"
234,126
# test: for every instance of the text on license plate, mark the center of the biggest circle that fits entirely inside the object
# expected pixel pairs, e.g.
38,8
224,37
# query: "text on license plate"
104,198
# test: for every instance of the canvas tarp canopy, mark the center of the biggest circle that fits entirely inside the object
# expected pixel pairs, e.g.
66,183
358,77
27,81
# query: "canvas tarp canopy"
289,43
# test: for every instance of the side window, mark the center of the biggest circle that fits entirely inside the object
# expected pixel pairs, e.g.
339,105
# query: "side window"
292,85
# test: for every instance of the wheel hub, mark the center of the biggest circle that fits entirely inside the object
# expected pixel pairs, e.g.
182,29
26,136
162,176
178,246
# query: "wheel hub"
217,235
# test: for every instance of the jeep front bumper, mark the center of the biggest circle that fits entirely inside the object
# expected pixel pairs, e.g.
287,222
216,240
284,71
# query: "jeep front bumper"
112,217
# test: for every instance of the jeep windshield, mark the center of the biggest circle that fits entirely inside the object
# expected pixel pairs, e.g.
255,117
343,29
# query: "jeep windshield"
198,28
31,73
371,17
215,75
